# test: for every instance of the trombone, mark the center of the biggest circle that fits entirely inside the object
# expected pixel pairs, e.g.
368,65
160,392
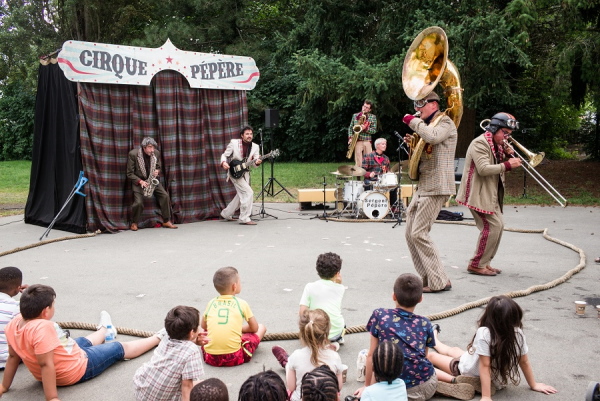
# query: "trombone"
529,164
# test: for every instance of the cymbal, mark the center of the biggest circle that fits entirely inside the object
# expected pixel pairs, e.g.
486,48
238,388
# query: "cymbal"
352,170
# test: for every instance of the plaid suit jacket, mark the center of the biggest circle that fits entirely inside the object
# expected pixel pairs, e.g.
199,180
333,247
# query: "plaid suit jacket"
436,171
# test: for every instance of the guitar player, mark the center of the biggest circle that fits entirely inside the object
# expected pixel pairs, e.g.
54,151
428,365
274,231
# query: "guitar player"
242,150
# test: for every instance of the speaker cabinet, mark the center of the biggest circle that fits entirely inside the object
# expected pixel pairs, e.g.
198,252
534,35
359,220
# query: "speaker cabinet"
271,118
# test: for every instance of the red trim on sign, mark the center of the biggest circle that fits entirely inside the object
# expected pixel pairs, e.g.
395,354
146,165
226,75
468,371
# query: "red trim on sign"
67,62
256,74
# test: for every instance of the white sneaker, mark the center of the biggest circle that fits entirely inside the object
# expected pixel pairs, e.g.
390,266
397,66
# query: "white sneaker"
162,333
341,340
106,321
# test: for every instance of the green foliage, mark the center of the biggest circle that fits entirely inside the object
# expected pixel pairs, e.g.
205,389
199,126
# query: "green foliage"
17,105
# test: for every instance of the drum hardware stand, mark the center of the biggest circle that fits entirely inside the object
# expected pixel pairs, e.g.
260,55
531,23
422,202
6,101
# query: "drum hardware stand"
269,187
262,213
399,204
324,215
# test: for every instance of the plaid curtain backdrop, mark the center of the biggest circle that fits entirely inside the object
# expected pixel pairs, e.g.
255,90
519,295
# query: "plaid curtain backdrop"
192,128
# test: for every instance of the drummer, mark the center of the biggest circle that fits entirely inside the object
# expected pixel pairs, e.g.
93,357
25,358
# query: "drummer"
375,164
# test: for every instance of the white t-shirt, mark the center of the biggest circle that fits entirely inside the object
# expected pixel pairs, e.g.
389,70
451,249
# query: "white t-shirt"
9,308
326,295
469,362
299,362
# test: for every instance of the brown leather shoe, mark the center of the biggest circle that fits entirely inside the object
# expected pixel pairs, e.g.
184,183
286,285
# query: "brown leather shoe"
428,290
168,224
133,227
481,272
497,271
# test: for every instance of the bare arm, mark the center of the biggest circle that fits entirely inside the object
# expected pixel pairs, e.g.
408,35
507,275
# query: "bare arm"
528,373
203,323
252,326
46,362
186,388
290,380
10,370
369,376
485,375
302,309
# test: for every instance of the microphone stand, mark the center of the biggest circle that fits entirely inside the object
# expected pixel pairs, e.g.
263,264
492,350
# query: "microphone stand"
262,213
399,202
324,215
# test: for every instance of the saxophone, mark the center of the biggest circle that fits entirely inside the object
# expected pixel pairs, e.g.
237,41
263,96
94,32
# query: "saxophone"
357,129
152,182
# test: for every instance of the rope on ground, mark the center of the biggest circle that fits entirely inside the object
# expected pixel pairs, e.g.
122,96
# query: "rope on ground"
48,241
361,328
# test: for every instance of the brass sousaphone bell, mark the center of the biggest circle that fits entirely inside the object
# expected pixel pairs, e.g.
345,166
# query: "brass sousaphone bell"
426,64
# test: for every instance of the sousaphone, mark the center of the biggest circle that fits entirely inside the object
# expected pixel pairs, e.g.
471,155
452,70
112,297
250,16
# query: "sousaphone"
426,64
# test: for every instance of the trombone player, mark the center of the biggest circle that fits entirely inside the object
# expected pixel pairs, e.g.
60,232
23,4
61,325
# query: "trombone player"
482,188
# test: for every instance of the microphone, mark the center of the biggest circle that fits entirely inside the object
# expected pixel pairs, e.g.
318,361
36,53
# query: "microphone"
398,135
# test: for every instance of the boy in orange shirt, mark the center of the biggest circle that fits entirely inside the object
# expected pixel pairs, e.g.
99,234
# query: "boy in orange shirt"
51,355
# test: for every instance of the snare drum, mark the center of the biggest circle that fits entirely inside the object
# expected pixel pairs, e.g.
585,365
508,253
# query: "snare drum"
352,190
387,181
373,204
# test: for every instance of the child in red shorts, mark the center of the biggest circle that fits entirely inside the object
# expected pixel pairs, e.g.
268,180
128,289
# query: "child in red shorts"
232,328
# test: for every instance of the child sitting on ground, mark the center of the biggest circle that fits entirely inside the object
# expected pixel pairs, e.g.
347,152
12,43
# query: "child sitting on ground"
51,355
320,384
314,327
264,386
387,367
233,329
327,294
496,352
212,389
176,365
11,284
414,334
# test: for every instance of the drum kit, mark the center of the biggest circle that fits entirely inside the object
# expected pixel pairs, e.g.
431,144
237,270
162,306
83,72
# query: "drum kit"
355,198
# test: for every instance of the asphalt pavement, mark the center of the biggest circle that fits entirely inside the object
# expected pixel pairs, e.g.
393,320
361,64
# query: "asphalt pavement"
138,276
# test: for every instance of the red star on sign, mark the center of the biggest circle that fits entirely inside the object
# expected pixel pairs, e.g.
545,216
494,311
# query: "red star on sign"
170,60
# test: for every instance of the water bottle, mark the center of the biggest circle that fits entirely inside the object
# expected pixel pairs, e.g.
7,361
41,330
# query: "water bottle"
110,334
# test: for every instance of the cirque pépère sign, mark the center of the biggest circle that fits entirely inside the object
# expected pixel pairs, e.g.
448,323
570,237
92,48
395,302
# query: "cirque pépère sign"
129,65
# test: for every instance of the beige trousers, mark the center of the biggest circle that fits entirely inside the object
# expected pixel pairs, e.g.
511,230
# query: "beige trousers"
362,148
243,199
420,216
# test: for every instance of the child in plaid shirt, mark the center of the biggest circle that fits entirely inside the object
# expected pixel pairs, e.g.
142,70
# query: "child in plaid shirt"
176,365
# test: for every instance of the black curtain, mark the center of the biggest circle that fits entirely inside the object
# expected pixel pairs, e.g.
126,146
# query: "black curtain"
56,159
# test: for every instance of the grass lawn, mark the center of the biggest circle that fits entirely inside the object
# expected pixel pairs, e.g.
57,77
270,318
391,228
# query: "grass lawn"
580,188
14,186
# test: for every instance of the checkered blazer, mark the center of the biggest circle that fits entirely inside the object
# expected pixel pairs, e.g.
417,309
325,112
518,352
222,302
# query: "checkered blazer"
436,171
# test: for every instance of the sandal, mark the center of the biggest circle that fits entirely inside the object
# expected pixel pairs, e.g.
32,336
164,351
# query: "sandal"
597,260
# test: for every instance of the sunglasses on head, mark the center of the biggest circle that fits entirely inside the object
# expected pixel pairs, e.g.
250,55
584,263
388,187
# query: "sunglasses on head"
422,102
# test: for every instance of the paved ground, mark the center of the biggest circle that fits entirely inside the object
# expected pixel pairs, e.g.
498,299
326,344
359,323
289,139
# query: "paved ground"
139,276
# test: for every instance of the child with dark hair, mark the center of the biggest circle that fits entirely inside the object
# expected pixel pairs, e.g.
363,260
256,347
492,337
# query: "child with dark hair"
212,389
51,355
327,294
494,355
387,366
414,334
11,284
320,384
314,327
230,323
263,386
176,365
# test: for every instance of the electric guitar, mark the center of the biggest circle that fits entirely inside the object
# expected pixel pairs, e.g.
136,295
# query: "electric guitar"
237,168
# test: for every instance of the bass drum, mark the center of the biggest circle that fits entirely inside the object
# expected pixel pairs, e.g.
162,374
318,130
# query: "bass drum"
373,205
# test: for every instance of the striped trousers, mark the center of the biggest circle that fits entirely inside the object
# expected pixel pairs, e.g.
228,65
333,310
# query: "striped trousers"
420,216
490,232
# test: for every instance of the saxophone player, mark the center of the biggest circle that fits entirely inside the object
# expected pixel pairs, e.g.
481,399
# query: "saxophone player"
143,168
368,126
